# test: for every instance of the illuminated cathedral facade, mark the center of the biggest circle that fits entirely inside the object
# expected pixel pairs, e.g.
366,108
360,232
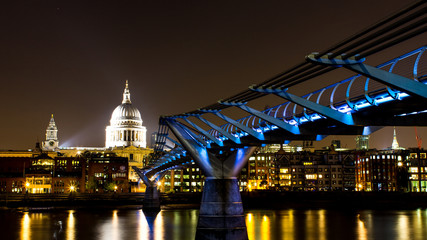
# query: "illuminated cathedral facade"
125,127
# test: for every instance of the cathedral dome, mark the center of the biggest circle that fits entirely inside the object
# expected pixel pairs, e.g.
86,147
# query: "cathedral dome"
125,125
126,111
126,114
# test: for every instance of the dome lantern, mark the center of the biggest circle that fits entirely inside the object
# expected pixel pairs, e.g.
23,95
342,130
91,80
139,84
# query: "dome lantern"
126,94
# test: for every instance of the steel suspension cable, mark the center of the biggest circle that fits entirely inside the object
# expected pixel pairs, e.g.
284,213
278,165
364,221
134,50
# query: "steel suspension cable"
369,29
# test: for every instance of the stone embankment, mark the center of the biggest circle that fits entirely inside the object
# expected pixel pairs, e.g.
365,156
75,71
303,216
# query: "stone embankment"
251,200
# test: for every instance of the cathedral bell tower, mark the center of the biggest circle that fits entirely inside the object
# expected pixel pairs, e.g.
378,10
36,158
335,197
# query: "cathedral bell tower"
51,143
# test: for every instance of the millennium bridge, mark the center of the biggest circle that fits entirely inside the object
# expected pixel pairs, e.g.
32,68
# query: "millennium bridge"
393,93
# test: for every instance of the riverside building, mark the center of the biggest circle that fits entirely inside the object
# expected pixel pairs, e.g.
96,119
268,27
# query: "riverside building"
299,170
44,174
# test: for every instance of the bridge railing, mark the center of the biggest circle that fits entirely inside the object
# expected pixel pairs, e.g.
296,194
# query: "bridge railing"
346,96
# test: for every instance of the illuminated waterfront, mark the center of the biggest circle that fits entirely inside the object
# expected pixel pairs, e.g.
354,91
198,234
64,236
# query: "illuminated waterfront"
181,224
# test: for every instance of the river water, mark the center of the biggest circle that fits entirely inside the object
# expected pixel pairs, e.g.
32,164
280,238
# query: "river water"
181,224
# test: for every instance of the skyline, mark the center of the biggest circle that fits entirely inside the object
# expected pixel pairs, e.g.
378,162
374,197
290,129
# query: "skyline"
72,60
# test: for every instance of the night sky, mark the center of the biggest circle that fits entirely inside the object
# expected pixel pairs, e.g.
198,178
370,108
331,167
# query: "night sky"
72,58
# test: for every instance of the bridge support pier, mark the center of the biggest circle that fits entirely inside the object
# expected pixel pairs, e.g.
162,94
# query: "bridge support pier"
221,213
151,202
151,199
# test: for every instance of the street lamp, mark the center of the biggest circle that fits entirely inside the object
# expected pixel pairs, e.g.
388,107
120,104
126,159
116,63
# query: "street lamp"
72,188
115,188
27,185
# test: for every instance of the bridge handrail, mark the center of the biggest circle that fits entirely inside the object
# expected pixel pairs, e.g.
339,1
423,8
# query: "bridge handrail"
419,51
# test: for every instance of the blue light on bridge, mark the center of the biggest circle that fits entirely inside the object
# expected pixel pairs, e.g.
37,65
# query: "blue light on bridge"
412,113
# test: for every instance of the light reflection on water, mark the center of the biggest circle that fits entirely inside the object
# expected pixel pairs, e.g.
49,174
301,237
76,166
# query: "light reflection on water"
181,224
25,227
71,230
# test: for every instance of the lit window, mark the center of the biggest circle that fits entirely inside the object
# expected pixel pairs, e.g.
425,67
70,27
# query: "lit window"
99,174
311,176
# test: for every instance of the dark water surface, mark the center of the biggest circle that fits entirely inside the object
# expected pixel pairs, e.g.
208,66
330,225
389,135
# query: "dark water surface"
181,224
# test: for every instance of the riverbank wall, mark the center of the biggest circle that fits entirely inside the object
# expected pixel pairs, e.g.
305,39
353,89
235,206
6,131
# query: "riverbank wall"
251,200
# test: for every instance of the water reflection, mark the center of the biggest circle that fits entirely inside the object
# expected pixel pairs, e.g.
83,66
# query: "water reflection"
71,231
25,227
150,225
322,224
288,224
258,224
110,228
402,227
265,227
362,233
181,224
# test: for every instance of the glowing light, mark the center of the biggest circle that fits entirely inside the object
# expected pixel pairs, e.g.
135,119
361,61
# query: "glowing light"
72,188
27,184
311,176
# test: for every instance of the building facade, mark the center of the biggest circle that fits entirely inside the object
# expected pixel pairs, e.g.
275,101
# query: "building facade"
278,168
44,174
326,170
417,170
377,170
187,179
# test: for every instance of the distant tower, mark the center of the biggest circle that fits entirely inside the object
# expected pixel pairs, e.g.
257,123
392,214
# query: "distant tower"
395,144
362,142
125,125
51,143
